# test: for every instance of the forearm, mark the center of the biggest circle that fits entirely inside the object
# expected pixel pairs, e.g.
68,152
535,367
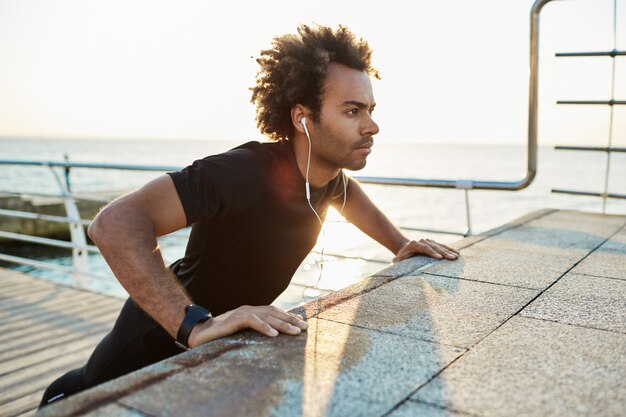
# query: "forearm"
127,241
364,214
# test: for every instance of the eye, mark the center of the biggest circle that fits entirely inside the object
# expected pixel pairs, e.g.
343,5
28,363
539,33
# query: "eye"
353,112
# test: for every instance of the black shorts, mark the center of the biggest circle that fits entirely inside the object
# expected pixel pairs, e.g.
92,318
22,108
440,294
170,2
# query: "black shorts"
135,341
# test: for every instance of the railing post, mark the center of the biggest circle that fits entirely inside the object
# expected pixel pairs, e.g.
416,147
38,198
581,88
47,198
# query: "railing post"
80,257
468,217
66,158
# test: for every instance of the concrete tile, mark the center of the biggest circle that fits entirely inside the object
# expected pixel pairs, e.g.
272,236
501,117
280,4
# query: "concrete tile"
515,223
550,238
315,307
331,370
583,300
503,262
532,367
415,408
438,309
115,410
609,260
601,225
404,267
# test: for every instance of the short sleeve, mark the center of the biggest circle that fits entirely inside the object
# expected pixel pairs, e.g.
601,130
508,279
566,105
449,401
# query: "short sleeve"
220,185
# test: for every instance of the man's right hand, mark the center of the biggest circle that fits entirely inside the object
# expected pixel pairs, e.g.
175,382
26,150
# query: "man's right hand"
267,320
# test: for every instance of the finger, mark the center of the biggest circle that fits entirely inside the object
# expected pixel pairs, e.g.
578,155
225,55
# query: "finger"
429,250
283,326
416,248
300,320
443,249
450,249
254,322
272,311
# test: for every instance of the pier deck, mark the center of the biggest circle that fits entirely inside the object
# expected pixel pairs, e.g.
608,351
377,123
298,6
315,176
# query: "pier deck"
530,321
45,330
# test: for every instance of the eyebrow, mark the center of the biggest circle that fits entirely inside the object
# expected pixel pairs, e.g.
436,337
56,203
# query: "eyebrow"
357,103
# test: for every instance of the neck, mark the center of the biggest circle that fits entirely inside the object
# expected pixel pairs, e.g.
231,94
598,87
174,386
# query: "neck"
320,173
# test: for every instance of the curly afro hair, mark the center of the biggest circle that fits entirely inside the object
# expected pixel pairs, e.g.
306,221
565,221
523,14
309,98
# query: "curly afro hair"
293,72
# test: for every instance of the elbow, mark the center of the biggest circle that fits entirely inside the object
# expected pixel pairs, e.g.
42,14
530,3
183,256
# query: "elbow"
116,223
96,229
103,227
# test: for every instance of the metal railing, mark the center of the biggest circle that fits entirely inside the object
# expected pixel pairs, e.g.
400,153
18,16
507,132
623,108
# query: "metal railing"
612,102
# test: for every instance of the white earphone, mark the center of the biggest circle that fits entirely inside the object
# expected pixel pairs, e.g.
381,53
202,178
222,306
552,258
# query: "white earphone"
308,199
308,167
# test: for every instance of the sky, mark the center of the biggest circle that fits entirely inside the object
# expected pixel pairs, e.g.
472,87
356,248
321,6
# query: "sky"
453,71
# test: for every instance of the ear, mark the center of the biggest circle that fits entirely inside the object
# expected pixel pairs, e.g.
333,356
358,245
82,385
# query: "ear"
297,113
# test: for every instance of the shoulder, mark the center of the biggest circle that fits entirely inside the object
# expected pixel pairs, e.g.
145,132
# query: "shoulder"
225,183
247,157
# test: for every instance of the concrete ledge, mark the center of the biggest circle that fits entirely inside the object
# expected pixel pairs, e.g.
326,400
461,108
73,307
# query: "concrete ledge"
508,329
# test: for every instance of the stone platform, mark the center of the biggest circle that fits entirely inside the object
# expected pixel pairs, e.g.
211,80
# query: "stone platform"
530,321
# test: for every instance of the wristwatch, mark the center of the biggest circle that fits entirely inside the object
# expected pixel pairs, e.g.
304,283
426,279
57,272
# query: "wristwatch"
194,314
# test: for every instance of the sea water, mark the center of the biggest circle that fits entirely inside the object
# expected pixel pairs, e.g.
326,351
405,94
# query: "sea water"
410,207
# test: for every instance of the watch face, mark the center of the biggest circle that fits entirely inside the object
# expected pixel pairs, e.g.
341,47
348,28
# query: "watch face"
196,309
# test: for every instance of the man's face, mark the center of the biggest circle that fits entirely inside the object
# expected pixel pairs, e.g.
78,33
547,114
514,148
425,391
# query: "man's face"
344,136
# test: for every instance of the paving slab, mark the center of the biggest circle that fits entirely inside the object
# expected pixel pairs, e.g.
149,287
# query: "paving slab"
563,232
315,307
117,410
609,260
503,262
532,367
583,300
331,370
416,408
534,254
597,224
405,267
439,309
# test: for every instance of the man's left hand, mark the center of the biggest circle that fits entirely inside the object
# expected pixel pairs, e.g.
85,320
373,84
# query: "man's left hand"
426,247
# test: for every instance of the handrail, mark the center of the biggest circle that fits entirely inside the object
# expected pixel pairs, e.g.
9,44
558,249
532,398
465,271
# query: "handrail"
589,149
38,216
612,53
84,197
49,242
68,164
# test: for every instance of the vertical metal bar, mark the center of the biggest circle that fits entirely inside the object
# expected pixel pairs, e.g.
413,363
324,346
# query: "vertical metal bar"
533,84
80,258
66,158
468,216
607,172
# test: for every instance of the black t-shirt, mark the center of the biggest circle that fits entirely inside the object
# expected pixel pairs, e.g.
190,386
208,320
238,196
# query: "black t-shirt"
252,225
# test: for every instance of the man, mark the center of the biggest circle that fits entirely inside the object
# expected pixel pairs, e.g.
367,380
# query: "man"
256,213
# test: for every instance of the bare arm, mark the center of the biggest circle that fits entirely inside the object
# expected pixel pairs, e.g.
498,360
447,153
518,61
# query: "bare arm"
363,213
125,231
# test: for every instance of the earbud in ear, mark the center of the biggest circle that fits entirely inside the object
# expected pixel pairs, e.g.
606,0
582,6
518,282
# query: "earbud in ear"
306,130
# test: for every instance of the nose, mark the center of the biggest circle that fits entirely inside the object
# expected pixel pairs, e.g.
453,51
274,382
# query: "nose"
370,127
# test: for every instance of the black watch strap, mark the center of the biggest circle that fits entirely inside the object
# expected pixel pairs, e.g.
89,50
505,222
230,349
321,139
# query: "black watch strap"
194,314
